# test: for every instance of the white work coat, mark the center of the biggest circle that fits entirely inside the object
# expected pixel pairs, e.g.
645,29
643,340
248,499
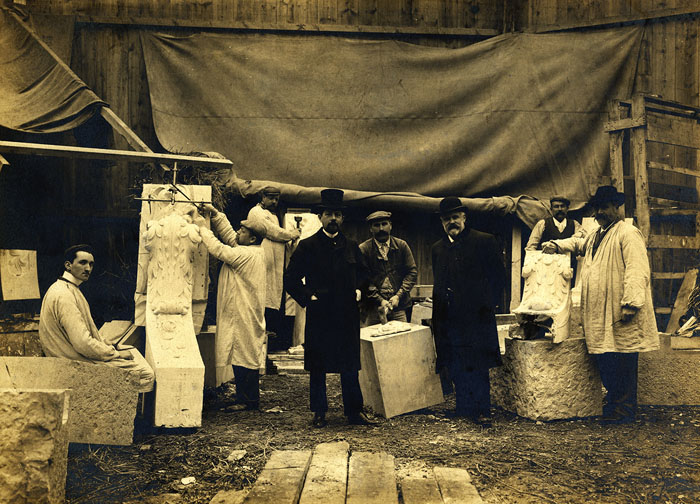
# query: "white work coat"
618,275
240,309
274,246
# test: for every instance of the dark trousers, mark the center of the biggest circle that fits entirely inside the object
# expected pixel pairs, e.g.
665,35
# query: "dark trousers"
618,371
350,385
247,386
472,392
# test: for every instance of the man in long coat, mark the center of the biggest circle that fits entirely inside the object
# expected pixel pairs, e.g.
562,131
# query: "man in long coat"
618,314
240,309
324,275
469,277
274,245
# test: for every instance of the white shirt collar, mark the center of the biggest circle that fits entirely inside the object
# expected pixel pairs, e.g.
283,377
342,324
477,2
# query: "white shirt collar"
328,234
71,278
560,224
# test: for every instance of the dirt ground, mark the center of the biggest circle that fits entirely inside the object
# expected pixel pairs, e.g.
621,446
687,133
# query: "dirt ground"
656,459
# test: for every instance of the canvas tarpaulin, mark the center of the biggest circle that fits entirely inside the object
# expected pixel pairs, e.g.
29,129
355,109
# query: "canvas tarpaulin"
38,94
513,115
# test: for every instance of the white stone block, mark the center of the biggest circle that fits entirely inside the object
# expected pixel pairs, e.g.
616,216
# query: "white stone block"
669,376
103,398
398,371
33,445
542,380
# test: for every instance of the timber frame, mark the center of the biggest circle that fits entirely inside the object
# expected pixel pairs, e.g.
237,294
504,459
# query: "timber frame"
654,159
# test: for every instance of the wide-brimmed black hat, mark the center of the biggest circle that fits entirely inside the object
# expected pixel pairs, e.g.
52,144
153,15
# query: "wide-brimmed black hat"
331,199
451,204
606,194
561,199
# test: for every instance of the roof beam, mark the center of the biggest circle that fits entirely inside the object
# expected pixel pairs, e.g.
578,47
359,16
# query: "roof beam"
289,27
34,149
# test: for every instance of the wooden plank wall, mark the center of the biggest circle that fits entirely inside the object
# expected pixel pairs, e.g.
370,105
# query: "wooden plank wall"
486,14
669,68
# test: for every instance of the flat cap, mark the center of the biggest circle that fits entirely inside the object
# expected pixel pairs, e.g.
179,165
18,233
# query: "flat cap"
379,214
256,225
271,189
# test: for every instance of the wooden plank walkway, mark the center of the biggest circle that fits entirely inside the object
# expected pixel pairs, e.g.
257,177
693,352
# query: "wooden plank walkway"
334,476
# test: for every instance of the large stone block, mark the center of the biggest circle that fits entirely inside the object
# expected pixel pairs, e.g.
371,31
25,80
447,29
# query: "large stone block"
33,445
669,376
542,380
398,371
103,398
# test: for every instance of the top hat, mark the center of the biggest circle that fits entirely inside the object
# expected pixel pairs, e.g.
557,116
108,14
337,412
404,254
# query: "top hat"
560,198
605,194
331,199
451,204
378,215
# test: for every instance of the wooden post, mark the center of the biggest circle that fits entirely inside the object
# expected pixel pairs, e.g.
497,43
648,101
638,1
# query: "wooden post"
638,139
515,265
616,138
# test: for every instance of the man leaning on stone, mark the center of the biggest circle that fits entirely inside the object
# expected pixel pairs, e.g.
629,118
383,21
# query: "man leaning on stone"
617,309
66,328
393,270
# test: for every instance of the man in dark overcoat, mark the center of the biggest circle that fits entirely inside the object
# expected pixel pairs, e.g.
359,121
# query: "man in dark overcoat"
325,275
469,277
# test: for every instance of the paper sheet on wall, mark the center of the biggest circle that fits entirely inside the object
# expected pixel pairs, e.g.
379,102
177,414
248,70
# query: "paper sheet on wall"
18,273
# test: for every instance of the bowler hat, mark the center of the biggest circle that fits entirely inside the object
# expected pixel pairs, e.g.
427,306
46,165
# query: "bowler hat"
331,199
606,194
561,199
257,226
451,204
378,215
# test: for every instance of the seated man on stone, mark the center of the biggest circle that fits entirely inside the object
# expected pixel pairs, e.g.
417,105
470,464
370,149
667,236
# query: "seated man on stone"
66,328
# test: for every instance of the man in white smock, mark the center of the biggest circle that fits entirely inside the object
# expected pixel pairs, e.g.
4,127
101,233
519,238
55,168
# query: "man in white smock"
274,245
66,328
240,310
617,309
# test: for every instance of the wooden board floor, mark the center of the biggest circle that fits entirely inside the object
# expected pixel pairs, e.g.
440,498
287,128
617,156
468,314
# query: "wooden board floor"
332,474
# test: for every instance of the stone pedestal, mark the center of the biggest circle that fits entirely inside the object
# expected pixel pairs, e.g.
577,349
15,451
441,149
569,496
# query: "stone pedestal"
670,376
103,398
542,380
398,371
33,445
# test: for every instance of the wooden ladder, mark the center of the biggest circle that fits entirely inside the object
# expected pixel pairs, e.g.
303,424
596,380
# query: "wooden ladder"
654,158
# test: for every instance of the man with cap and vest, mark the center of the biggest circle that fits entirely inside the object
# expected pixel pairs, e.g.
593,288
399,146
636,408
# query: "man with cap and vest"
325,275
240,308
393,270
274,246
469,277
556,227
617,309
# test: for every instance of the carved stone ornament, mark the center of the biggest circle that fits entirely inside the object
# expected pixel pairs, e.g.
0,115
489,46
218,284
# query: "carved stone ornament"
547,293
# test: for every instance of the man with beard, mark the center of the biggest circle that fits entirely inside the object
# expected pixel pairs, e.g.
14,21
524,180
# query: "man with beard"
555,227
469,278
393,270
324,275
274,247
66,328
618,314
